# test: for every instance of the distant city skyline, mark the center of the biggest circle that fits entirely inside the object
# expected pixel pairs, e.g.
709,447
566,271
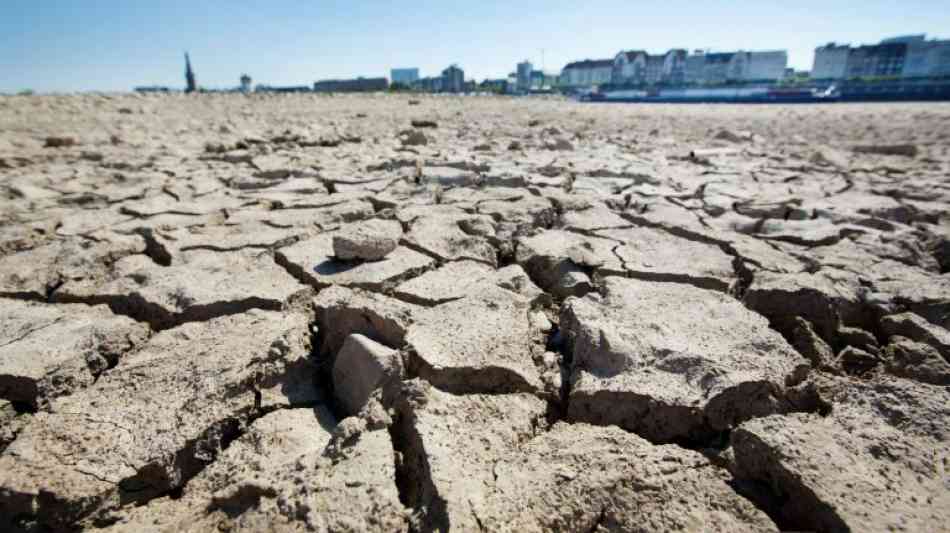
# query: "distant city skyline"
114,45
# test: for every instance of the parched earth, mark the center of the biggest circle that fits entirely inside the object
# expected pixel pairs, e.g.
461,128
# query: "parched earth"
395,313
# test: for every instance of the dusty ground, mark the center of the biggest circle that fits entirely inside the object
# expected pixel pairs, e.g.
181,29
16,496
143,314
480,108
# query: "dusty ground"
550,316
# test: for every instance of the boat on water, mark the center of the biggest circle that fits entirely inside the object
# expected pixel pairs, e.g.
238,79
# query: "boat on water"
749,95
928,90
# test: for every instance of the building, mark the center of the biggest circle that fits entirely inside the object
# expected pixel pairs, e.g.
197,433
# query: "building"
428,85
906,56
877,60
587,74
537,80
831,62
512,83
730,67
498,86
453,80
766,65
636,67
245,83
923,58
404,76
351,86
524,71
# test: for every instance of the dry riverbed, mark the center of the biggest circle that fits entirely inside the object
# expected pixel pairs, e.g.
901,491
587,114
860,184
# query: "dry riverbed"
393,313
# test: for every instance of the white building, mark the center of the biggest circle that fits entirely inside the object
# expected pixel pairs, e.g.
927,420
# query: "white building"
587,74
630,67
907,56
638,67
766,65
831,62
926,58
723,67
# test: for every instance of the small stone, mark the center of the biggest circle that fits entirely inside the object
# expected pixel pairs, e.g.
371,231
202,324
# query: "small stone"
415,138
905,150
857,361
371,240
809,344
361,367
559,144
539,321
917,361
918,329
60,142
732,136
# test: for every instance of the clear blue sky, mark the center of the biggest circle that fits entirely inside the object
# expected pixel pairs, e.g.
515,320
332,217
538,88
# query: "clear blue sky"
69,45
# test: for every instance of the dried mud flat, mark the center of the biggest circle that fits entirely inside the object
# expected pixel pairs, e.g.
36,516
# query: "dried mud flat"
301,313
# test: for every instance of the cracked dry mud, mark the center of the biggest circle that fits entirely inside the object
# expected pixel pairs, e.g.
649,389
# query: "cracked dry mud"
349,313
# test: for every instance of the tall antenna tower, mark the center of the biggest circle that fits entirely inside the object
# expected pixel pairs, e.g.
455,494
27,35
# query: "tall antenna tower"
190,85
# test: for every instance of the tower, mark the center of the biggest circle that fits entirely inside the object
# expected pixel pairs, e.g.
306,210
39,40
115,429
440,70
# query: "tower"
189,76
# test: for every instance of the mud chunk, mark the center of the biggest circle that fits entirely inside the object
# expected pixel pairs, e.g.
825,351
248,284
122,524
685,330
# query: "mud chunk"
361,367
11,423
467,278
341,312
37,273
495,356
272,167
918,329
668,361
486,463
440,235
272,443
915,360
314,262
783,297
810,345
858,338
857,361
151,423
350,486
655,255
547,259
205,285
48,351
874,463
451,444
370,240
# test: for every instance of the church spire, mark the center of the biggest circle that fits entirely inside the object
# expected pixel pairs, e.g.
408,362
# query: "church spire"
189,76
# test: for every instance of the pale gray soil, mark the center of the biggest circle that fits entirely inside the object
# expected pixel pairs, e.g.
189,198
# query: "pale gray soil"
302,313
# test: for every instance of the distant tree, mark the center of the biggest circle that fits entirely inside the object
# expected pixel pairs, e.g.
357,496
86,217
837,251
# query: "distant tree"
396,87
26,92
